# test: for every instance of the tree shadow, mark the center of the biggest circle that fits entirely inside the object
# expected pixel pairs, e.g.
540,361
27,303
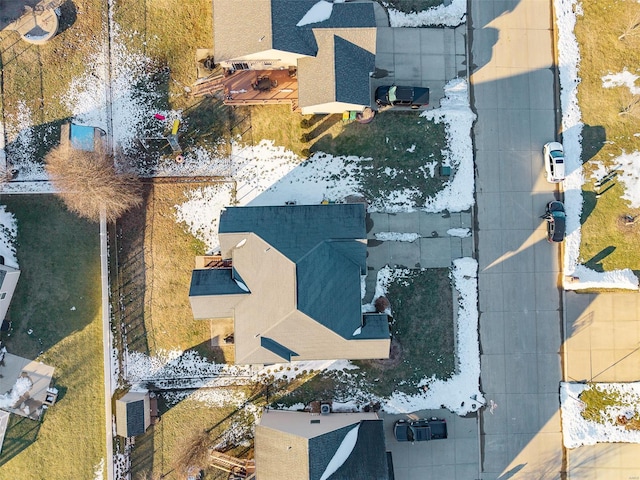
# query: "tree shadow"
129,285
328,122
593,139
55,296
21,434
589,201
595,262
68,16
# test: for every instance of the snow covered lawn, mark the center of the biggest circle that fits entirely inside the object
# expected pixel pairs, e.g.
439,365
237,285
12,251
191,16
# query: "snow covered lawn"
612,412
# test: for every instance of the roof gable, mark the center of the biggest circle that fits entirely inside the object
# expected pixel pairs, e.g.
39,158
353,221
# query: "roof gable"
352,64
329,287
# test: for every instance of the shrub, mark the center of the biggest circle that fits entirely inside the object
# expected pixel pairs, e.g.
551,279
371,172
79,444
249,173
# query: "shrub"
87,182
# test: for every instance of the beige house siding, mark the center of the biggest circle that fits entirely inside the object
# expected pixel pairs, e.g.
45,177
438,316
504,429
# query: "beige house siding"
261,309
265,60
299,423
206,307
332,107
241,27
7,288
280,455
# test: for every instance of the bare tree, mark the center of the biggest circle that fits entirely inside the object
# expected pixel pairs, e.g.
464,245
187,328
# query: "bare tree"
632,27
194,452
88,182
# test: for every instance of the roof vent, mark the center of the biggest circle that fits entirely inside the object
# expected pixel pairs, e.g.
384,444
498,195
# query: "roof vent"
325,409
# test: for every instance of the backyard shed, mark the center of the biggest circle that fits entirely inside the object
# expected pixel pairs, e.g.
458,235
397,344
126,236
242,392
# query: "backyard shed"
133,414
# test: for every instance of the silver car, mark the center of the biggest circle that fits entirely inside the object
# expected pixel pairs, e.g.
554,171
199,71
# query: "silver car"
554,162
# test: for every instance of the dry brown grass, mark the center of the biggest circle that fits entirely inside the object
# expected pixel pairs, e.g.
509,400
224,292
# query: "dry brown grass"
87,182
612,112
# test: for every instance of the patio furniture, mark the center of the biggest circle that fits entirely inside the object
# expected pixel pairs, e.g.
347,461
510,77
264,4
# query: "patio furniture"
264,84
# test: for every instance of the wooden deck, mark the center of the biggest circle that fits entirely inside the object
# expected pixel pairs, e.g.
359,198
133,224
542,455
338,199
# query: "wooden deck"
239,90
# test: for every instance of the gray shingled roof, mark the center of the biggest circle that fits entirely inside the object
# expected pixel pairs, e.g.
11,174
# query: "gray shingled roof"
322,240
329,288
135,418
285,14
296,230
376,325
367,461
352,67
213,281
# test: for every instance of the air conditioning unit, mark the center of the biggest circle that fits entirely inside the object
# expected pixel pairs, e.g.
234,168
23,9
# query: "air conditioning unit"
325,409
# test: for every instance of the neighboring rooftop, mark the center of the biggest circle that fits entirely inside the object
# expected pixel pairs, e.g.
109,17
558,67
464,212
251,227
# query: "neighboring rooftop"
310,447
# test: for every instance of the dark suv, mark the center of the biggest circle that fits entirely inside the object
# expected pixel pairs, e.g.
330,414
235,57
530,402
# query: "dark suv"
420,430
394,95
556,221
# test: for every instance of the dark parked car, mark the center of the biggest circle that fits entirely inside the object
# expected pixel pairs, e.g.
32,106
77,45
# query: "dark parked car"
393,95
556,221
420,430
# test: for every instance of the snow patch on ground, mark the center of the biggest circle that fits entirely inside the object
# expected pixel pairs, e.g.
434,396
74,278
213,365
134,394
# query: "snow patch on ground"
576,276
397,237
578,431
459,232
622,79
8,234
201,212
22,145
450,15
457,194
98,471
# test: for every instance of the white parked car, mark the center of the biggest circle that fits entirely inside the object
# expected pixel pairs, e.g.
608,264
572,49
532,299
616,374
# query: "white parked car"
554,161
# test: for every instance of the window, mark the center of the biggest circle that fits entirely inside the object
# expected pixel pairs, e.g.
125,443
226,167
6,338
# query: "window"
240,66
2,295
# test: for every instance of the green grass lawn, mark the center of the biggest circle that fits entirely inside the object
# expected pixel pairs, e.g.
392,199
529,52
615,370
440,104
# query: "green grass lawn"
607,242
58,298
423,340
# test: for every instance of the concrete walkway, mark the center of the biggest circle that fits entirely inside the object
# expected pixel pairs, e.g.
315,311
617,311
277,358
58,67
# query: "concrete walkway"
512,87
434,249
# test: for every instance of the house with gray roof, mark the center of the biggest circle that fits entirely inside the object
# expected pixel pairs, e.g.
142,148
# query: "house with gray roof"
335,446
8,281
332,56
290,280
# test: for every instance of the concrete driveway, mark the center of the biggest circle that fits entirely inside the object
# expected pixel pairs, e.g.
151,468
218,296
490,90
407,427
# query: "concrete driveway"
454,458
420,57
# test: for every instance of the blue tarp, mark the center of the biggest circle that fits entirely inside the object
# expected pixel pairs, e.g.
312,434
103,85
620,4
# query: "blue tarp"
82,137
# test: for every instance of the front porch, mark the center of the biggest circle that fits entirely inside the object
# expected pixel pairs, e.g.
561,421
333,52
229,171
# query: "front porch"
281,86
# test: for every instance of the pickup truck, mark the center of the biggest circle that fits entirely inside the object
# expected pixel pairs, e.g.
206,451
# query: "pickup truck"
395,95
420,430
